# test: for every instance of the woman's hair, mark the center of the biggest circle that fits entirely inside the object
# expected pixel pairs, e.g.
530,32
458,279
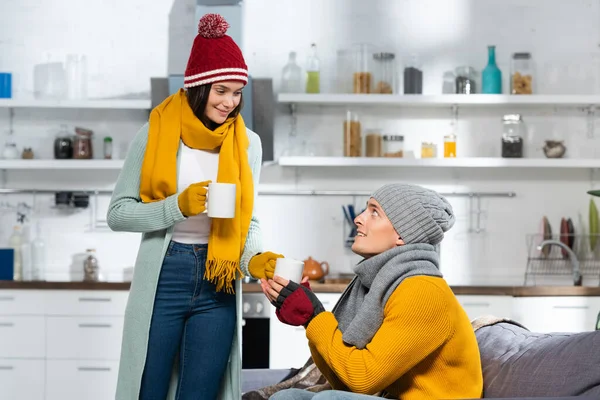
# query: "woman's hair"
198,98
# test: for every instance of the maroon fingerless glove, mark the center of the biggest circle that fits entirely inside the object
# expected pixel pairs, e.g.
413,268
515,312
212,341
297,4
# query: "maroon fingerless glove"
297,304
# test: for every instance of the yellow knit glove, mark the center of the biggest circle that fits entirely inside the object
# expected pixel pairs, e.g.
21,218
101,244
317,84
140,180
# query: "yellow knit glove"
192,201
262,266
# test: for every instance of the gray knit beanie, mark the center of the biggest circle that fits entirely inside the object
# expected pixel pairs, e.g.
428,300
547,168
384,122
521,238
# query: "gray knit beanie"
419,215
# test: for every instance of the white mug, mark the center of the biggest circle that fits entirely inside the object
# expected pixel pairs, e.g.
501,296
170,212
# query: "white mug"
289,269
220,200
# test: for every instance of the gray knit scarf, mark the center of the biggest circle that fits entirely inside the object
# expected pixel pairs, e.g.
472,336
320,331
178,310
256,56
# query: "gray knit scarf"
359,311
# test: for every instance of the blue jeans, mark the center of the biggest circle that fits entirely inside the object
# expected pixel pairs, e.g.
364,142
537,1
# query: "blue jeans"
299,394
189,316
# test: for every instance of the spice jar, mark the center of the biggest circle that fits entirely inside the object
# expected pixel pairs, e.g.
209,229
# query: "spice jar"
393,146
521,76
450,146
373,142
108,148
428,150
362,75
385,73
352,136
82,145
513,130
27,153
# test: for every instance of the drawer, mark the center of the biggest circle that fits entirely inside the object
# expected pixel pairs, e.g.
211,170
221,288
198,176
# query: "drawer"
86,302
22,379
22,337
21,302
91,338
75,380
477,306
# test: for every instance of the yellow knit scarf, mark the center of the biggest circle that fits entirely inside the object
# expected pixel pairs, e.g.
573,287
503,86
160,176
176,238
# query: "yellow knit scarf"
173,120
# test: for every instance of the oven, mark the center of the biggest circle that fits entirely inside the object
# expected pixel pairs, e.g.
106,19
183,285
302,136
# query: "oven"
255,330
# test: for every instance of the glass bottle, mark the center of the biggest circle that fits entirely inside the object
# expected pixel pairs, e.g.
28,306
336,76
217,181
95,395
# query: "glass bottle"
108,148
291,76
491,77
362,75
413,77
313,84
513,130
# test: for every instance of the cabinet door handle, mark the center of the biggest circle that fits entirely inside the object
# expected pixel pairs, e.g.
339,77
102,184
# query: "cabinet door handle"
6,367
95,325
7,324
95,299
476,304
93,368
571,307
7,298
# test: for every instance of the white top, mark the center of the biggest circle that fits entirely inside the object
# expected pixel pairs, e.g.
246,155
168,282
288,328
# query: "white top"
195,166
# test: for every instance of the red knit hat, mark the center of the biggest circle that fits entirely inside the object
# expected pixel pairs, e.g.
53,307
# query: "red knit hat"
215,57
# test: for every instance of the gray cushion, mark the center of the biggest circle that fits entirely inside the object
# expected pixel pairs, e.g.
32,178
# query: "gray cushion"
520,363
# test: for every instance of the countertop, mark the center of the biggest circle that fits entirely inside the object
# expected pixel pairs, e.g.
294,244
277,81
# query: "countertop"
337,286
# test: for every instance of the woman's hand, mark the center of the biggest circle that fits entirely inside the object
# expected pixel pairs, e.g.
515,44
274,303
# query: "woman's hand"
262,265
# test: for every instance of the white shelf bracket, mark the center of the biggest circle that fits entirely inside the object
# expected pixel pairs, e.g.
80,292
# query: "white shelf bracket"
591,119
294,119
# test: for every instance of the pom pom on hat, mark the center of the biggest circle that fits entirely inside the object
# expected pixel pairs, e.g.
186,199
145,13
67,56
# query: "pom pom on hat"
212,26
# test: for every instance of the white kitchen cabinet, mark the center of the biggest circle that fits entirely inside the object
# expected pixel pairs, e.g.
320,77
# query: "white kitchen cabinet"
21,302
22,337
22,379
557,314
90,338
476,305
87,303
81,379
288,347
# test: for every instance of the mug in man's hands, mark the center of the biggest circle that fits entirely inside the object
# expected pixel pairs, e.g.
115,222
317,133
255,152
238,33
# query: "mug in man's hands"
220,200
289,269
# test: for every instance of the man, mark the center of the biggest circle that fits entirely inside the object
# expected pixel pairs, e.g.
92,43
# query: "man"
398,331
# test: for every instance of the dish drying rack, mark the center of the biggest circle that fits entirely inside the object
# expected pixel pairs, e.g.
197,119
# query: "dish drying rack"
553,262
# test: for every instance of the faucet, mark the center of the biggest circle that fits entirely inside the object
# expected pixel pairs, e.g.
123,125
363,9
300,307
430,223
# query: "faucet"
577,278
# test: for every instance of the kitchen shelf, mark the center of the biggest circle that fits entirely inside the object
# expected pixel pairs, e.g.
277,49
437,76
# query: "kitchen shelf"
475,162
61,164
78,104
474,100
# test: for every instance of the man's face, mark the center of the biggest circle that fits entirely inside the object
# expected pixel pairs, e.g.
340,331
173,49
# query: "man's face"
376,233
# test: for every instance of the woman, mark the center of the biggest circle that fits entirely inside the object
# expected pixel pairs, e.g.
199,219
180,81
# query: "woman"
182,322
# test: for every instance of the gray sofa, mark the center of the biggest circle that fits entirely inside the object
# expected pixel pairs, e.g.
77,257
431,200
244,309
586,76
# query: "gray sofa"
517,364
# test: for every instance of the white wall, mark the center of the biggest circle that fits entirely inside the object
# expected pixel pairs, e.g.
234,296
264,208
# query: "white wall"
126,44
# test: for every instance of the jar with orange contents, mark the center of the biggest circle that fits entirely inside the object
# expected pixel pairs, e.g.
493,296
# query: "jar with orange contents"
450,146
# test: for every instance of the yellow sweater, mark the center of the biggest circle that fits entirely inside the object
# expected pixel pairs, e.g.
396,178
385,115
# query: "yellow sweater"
424,349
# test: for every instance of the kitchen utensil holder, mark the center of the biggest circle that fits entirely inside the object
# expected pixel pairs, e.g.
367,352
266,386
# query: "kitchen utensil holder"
555,263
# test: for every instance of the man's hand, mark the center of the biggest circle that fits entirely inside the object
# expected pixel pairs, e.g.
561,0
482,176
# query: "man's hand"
192,201
296,303
262,266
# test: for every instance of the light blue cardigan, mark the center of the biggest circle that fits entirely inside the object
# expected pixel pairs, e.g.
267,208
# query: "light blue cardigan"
155,221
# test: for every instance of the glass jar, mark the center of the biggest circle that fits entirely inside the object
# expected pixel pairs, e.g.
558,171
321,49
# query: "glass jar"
513,130
413,76
82,145
63,144
393,146
10,151
362,76
385,73
450,146
373,143
352,136
466,78
344,71
521,74
428,150
108,148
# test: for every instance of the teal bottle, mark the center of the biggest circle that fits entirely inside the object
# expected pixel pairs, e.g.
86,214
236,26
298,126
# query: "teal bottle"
491,77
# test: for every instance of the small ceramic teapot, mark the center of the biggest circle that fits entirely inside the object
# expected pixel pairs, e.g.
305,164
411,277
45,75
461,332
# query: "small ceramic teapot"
314,270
